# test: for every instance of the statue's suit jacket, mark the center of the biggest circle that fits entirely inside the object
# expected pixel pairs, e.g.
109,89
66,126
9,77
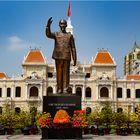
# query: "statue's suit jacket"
64,45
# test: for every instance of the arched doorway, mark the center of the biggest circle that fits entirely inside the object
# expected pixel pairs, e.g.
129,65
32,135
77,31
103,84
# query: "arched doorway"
70,90
137,93
49,90
79,91
33,91
104,93
119,110
0,110
17,110
88,92
88,110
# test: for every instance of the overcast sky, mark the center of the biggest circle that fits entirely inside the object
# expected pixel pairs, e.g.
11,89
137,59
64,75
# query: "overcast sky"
110,25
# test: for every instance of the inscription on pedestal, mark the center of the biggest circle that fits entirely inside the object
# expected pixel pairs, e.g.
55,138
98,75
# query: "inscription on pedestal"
53,103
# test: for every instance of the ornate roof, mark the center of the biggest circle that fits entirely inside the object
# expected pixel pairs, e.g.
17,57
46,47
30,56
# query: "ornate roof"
103,57
135,46
135,77
2,75
34,56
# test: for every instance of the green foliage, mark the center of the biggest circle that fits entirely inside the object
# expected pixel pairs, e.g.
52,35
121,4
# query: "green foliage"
7,119
25,118
95,117
119,118
107,113
135,117
10,119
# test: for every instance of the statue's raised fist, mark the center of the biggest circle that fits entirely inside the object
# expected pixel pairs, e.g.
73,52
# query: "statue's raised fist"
49,21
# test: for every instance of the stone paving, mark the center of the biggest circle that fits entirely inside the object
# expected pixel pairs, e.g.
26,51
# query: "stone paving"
85,137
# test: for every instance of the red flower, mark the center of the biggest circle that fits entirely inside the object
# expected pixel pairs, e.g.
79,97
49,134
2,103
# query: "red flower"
44,120
79,119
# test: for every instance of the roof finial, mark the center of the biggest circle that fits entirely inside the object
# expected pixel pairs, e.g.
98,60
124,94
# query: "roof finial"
69,12
69,26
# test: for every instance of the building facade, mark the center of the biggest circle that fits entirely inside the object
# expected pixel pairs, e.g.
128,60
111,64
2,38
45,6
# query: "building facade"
132,61
96,83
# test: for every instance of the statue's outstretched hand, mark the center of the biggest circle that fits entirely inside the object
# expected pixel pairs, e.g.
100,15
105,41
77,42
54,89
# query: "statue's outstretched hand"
49,22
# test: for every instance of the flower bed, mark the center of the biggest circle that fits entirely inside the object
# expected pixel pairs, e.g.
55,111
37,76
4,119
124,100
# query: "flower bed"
62,126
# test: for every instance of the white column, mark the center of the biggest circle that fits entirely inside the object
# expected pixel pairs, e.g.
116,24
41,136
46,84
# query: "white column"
73,90
111,92
40,92
13,91
133,91
124,92
26,91
97,95
4,94
83,69
54,89
132,107
115,107
83,93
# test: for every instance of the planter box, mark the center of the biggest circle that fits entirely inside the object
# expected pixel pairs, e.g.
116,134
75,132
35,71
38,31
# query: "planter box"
66,133
2,131
26,131
9,131
107,131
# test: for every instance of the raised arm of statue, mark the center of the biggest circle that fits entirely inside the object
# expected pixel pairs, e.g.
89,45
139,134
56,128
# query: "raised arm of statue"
73,50
49,34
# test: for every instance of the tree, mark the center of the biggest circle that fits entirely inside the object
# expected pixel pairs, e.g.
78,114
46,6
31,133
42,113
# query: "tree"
119,118
95,117
107,113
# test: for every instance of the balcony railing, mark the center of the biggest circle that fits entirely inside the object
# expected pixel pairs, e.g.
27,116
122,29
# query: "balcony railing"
103,99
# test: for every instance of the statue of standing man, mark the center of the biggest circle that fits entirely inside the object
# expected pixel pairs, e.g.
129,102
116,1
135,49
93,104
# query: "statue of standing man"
64,48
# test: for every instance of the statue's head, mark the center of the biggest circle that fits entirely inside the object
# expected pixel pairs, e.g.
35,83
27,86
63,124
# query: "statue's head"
62,24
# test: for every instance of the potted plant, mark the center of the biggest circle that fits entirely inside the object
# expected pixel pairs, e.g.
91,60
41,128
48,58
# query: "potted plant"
62,124
79,122
8,119
119,120
95,120
44,121
2,129
25,122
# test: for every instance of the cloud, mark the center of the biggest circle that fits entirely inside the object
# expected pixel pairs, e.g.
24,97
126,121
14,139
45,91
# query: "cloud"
15,44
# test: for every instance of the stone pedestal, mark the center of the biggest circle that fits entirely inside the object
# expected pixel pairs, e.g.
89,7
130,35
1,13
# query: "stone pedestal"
66,133
69,103
54,103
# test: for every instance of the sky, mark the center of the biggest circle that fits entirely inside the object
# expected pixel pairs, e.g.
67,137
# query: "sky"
112,25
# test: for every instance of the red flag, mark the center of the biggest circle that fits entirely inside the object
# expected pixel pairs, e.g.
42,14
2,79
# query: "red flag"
69,10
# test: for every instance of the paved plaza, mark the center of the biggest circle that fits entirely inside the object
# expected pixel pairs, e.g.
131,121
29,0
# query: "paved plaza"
85,137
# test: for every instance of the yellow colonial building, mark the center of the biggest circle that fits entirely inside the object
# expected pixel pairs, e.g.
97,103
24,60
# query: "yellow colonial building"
96,83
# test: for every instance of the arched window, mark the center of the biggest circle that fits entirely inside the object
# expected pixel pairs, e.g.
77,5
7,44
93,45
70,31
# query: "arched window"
88,110
104,92
88,92
33,110
18,92
119,110
49,90
136,109
70,90
34,92
137,93
0,110
128,93
0,92
8,92
119,92
79,91
17,110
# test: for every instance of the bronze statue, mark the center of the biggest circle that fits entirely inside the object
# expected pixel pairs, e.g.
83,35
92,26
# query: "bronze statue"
64,48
